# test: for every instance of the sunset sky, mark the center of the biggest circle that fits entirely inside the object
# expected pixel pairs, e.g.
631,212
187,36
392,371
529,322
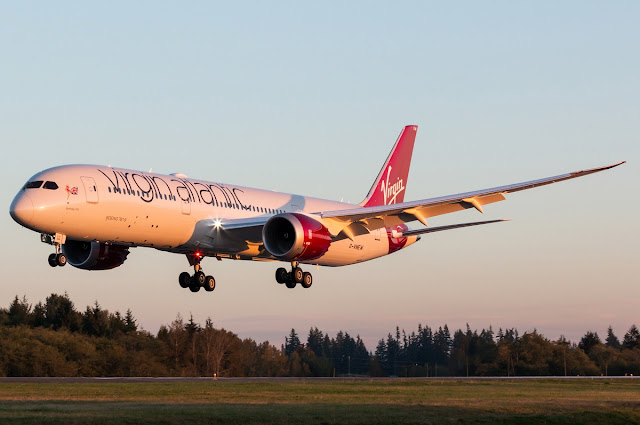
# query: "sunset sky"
309,99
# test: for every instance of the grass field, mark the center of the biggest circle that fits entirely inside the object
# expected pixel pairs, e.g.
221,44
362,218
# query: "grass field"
584,401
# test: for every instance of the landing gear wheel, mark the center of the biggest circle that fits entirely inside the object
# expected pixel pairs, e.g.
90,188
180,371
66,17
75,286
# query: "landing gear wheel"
298,275
53,260
290,284
199,278
209,284
281,275
194,288
61,259
307,280
184,279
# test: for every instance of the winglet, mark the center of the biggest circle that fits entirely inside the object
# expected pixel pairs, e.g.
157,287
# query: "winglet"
389,186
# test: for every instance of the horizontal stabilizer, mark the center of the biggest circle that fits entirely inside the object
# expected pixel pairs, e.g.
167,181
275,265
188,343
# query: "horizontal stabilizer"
441,228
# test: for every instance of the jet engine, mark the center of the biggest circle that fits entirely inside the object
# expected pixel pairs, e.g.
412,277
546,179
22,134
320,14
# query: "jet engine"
293,236
93,255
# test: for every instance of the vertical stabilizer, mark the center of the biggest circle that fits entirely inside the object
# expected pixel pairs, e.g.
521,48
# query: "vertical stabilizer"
390,184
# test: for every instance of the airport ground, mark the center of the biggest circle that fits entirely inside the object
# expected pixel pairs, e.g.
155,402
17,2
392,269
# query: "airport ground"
319,401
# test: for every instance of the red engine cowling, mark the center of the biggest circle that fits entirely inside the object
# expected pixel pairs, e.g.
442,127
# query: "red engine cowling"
93,255
294,236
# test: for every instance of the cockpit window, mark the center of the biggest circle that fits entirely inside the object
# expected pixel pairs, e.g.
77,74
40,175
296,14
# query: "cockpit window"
33,185
50,185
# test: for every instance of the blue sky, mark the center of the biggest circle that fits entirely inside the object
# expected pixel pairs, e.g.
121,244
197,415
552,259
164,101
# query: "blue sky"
309,98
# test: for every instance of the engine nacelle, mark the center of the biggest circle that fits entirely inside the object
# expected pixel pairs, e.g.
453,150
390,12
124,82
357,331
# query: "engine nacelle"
94,255
293,236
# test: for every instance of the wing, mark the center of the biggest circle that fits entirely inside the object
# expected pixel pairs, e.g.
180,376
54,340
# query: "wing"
359,220
350,221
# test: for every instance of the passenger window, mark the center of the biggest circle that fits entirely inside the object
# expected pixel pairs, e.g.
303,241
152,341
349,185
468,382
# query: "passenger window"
50,185
33,185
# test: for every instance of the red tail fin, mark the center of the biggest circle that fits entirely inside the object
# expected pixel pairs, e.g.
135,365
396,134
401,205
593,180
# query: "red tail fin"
389,187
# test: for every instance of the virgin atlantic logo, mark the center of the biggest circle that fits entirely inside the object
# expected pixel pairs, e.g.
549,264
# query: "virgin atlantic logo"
71,191
391,191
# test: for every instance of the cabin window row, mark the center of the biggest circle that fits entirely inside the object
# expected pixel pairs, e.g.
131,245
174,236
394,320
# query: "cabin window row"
218,204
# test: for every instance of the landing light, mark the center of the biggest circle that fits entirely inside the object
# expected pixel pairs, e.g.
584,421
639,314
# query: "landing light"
217,223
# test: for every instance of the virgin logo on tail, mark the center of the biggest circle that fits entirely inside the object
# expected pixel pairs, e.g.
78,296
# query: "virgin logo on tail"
388,187
391,191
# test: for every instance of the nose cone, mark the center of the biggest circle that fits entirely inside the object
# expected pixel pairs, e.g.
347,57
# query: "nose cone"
22,209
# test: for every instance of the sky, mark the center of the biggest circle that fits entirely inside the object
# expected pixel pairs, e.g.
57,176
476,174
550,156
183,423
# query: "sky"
308,98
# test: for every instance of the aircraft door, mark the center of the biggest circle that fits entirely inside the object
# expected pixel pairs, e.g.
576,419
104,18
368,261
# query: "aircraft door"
90,189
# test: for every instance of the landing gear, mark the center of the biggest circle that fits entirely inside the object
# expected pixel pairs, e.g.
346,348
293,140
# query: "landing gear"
307,280
209,284
58,258
281,275
184,279
291,279
199,279
298,274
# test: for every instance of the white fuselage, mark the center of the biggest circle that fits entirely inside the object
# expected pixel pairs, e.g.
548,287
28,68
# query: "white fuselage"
173,212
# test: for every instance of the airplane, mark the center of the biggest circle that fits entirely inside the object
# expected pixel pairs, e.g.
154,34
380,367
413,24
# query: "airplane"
93,215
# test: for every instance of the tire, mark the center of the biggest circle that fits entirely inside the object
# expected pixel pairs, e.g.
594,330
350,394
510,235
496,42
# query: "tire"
61,259
209,284
199,278
307,280
298,275
290,284
281,275
194,288
184,279
53,260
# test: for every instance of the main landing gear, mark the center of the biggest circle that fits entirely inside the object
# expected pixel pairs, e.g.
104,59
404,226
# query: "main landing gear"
199,279
295,276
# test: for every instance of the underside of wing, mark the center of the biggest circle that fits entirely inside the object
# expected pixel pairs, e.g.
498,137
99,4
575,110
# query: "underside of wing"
405,233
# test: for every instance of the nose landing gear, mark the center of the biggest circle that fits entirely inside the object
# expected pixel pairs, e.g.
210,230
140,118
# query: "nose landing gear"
199,279
58,258
294,277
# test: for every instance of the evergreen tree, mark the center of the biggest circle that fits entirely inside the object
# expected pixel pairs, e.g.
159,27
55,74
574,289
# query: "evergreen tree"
19,312
612,340
442,345
39,315
130,324
314,341
588,341
291,343
381,355
631,338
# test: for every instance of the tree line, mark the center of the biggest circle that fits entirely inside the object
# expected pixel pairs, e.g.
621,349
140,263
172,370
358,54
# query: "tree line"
53,338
